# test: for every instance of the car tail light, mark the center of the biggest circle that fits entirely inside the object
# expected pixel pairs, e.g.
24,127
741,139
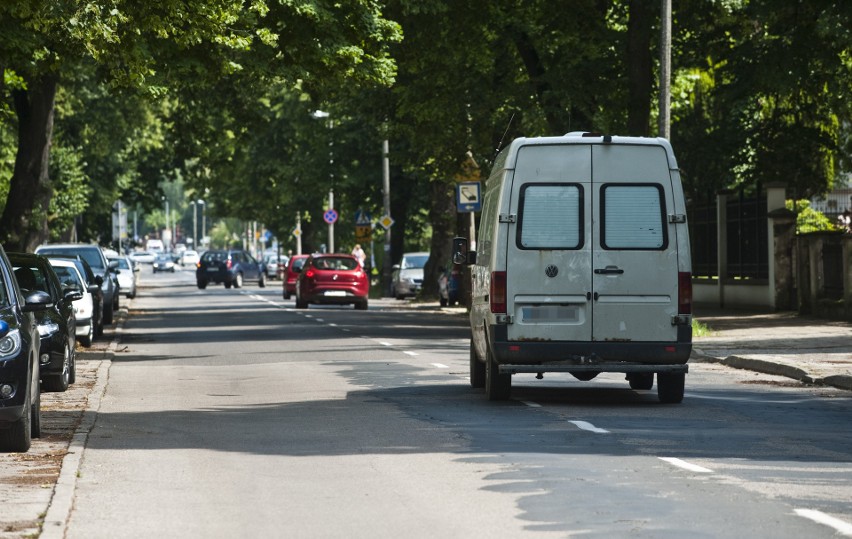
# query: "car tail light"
198,264
684,292
229,263
310,273
498,292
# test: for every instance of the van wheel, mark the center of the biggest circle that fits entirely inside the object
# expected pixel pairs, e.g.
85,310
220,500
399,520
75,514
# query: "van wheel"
497,386
477,369
670,387
641,380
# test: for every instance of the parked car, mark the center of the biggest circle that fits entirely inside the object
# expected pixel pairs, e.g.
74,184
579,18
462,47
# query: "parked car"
189,258
272,263
71,278
143,257
334,279
291,274
164,262
20,397
407,277
93,282
449,283
99,264
127,275
57,326
230,267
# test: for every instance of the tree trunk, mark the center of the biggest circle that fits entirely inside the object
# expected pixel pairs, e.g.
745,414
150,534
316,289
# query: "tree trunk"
442,215
24,219
639,67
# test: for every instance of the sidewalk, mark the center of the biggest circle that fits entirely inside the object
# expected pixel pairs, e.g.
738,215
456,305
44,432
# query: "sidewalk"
811,350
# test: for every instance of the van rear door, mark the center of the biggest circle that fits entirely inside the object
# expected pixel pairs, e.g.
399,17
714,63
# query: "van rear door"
548,251
635,258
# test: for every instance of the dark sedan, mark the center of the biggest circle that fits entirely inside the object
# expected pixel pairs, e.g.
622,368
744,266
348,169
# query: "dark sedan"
20,398
57,326
232,268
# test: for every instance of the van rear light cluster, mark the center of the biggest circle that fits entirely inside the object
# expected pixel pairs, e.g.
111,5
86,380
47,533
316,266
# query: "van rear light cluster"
684,292
497,294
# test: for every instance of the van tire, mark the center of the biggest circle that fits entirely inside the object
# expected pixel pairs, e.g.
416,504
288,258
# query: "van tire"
641,380
477,369
497,386
670,387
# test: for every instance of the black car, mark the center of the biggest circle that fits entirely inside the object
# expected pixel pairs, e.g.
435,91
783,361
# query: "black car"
232,268
103,268
20,397
56,325
95,286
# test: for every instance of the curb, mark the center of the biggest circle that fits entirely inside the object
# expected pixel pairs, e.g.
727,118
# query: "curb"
839,381
62,500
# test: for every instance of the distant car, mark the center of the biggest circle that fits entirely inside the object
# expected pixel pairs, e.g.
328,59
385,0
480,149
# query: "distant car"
189,258
407,277
230,267
143,257
291,274
20,398
99,264
127,275
57,326
93,282
71,278
332,279
164,262
271,263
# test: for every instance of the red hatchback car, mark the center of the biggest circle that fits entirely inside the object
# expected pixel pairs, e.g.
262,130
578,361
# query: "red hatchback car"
334,279
291,274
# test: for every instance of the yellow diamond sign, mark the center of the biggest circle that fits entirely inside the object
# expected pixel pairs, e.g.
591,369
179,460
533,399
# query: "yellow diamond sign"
386,222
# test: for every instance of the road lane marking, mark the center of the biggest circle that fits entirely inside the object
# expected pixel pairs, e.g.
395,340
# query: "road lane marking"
685,465
531,404
821,518
410,353
585,425
440,365
384,343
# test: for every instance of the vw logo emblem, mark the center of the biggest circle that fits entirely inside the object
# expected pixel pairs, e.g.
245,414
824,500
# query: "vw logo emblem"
551,271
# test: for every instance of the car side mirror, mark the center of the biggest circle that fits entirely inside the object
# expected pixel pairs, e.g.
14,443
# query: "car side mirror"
461,255
37,301
99,280
73,295
113,265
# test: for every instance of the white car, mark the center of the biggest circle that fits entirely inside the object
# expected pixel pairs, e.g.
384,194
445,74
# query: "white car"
127,277
189,258
143,257
84,308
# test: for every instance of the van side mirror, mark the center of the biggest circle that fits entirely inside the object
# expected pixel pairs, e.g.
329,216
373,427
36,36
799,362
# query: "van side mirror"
461,255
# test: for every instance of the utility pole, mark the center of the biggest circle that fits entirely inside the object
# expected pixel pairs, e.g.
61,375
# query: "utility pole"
665,69
331,224
298,232
386,261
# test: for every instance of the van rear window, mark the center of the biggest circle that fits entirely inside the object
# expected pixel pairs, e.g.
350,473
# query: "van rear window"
551,216
633,217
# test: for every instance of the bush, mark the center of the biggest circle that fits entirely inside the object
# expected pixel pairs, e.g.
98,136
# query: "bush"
809,219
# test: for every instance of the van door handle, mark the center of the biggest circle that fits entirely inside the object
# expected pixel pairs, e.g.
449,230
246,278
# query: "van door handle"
609,270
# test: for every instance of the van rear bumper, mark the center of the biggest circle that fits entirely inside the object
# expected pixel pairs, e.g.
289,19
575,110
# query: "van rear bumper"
586,353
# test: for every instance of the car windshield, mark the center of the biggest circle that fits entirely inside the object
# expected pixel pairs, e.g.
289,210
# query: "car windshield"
68,277
335,263
164,258
414,262
89,254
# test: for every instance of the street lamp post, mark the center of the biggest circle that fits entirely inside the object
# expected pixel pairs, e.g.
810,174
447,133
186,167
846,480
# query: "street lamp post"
323,114
203,222
194,225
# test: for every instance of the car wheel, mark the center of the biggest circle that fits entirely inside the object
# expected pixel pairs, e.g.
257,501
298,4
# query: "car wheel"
641,380
301,304
35,417
477,369
59,382
201,284
670,387
497,386
262,282
17,438
286,294
443,302
238,280
361,305
72,374
227,284
87,339
108,314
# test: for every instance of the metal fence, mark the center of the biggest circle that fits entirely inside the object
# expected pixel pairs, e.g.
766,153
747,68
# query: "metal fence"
748,237
704,237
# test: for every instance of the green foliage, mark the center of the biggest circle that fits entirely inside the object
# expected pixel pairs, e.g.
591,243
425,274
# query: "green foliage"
809,219
70,186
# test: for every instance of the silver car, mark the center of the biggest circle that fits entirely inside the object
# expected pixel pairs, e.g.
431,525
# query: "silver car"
408,275
127,276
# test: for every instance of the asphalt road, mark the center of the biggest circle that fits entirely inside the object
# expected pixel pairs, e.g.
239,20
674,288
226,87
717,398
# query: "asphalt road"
228,413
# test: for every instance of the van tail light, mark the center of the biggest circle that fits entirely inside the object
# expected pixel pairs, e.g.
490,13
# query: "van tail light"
497,293
684,292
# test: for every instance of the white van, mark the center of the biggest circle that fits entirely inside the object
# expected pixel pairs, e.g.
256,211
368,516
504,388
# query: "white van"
582,264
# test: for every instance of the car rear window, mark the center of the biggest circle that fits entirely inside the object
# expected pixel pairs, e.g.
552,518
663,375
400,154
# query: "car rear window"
214,256
335,263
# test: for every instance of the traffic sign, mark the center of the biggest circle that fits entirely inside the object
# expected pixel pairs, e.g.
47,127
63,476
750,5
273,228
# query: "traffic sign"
330,216
386,222
362,218
297,232
468,197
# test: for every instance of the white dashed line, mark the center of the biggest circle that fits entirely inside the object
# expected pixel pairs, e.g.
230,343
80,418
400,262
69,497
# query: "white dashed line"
410,353
384,343
821,518
686,465
531,404
440,365
585,425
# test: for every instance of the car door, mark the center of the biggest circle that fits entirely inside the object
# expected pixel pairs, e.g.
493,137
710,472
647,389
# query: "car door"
634,253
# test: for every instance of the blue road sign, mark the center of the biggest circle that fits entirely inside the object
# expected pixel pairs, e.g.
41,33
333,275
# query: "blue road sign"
468,197
330,216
